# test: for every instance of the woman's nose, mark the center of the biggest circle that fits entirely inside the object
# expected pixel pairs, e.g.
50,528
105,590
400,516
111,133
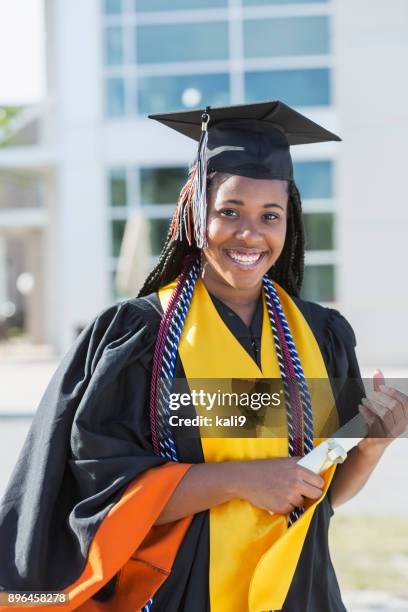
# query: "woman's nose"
248,231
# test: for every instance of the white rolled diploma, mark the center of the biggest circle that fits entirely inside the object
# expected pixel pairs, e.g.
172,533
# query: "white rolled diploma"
326,454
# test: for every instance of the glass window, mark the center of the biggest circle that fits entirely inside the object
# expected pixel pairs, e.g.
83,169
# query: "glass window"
113,46
319,231
286,36
117,231
171,93
118,188
319,283
114,97
182,42
295,87
273,2
158,233
112,7
164,5
314,179
161,185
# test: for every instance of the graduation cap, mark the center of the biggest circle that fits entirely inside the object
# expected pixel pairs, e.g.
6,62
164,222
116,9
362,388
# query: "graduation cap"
250,140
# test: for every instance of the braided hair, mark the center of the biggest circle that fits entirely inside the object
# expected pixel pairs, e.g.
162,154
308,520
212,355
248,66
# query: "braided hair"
288,270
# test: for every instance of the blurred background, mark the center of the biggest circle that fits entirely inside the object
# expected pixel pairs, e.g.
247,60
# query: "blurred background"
88,185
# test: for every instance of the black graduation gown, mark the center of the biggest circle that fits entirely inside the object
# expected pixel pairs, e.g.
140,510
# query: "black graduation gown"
90,438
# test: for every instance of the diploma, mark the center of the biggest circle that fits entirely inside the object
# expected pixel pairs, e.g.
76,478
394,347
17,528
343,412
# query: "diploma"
335,449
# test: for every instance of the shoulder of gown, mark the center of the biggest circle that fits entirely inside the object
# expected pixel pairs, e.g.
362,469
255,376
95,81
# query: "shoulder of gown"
124,330
335,336
337,343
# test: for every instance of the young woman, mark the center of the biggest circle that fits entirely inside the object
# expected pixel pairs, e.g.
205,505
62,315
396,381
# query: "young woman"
119,501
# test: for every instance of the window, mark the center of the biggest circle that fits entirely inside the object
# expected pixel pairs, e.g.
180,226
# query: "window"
159,191
117,231
142,6
315,182
162,93
118,188
113,43
309,87
314,179
158,233
319,231
161,185
115,97
286,36
153,43
182,42
112,7
319,283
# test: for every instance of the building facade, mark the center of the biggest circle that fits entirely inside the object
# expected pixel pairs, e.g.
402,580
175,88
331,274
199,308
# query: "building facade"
112,62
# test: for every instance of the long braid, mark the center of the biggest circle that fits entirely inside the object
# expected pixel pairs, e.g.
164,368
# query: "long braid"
288,271
174,252
169,266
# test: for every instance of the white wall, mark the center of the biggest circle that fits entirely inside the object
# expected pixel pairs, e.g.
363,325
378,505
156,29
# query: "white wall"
371,47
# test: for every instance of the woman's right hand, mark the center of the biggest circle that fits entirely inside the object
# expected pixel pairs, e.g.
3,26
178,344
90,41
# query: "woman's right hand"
277,485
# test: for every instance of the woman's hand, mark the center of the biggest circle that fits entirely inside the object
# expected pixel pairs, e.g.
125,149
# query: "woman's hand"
386,414
278,485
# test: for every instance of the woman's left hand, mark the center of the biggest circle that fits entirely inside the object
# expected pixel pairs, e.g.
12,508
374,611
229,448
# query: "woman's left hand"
386,414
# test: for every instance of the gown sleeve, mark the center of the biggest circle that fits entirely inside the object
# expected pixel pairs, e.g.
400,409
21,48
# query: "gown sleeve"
338,343
338,348
79,510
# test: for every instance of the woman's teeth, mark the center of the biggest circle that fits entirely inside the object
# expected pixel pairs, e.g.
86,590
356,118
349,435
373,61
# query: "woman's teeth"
244,259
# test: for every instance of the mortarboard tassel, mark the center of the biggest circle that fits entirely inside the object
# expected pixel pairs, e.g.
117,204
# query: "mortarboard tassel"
200,186
190,216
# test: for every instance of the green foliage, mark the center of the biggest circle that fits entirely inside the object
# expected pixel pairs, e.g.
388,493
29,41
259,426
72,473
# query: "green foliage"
7,113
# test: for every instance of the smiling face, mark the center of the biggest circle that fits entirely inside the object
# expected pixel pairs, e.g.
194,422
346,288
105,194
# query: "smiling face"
246,229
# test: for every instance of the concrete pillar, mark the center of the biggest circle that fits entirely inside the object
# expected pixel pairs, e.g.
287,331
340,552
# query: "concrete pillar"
80,224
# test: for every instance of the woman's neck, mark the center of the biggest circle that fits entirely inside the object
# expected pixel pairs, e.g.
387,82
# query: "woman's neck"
242,301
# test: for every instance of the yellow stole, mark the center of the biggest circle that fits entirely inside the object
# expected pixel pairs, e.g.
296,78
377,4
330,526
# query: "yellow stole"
253,555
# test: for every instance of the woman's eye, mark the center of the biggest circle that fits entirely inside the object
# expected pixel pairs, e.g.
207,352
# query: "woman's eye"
229,212
271,216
